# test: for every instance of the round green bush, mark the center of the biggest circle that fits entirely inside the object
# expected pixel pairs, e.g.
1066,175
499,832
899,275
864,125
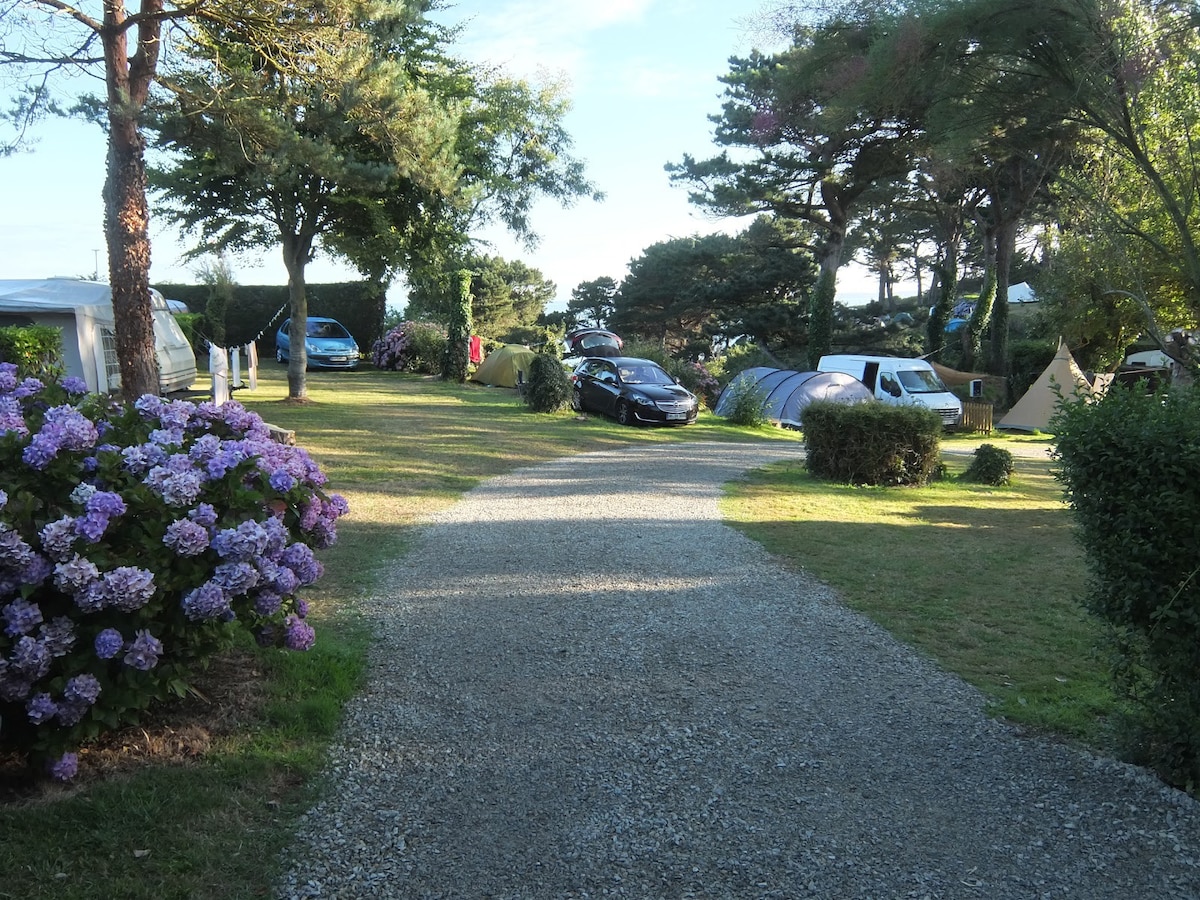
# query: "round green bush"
549,386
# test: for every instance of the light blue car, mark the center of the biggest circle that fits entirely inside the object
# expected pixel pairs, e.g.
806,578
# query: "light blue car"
327,342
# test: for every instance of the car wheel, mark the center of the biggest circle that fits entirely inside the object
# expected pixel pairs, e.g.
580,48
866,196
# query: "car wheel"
624,413
576,401
279,357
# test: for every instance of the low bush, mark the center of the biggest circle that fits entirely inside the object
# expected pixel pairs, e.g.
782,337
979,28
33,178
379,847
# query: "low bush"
411,347
745,404
872,443
36,350
134,539
1128,463
549,386
990,465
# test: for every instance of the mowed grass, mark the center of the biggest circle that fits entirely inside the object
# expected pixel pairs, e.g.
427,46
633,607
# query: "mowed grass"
985,580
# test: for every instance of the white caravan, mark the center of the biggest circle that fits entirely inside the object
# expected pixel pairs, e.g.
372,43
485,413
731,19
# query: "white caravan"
896,380
83,311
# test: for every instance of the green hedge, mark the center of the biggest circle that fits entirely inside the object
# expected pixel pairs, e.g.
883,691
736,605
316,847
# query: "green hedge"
1130,465
872,443
255,309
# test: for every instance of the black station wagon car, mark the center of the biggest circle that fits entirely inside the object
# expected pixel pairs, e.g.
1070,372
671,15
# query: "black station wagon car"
632,391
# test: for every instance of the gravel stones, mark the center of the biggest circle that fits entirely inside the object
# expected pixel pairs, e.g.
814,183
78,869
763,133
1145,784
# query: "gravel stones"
585,685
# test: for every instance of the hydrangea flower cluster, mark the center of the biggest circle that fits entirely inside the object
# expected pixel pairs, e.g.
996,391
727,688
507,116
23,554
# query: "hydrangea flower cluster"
410,347
133,539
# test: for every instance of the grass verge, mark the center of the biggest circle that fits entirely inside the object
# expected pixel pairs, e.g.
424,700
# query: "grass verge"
985,580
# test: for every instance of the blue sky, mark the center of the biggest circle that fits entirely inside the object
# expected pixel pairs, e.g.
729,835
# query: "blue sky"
643,78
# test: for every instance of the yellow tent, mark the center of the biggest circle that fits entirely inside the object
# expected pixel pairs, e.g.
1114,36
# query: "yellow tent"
1062,378
500,367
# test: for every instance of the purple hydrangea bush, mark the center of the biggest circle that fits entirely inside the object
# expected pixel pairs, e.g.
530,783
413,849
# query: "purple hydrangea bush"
134,540
411,347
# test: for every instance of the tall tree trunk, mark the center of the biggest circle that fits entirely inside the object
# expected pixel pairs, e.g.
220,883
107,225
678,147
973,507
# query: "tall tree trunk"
295,259
126,213
981,316
820,302
1006,246
945,273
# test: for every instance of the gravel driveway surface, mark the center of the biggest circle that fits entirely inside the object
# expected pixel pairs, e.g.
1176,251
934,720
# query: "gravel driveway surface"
585,685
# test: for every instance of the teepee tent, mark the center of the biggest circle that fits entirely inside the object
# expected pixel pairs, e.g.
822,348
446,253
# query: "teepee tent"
785,393
1062,378
500,367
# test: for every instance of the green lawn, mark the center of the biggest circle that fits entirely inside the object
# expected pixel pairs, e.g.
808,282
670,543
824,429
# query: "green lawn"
982,579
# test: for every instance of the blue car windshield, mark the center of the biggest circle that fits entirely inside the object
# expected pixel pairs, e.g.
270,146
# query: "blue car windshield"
326,330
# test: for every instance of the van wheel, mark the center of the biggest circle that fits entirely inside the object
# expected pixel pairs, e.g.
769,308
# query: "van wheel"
624,413
279,357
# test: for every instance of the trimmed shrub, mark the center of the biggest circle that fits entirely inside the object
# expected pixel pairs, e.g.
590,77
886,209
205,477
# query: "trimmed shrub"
411,347
135,538
872,443
36,350
549,387
990,465
1129,465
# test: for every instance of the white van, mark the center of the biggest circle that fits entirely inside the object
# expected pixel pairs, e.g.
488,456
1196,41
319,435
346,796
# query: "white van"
896,380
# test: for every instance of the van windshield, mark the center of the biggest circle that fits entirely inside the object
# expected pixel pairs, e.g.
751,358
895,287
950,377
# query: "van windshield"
920,381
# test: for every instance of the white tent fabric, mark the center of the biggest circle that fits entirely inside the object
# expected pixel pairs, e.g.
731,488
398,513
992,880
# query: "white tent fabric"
1061,379
786,392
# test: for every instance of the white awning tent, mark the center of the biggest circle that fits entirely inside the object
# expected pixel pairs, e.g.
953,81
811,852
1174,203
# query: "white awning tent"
83,311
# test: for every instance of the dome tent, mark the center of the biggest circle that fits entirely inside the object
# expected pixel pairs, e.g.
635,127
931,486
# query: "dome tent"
501,367
787,392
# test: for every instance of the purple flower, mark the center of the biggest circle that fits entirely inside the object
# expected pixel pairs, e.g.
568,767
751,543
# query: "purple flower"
3,499
75,574
41,708
205,602
65,767
235,578
302,608
91,526
128,588
106,503
37,570
21,617
82,689
267,603
57,537
243,543
187,538
57,636
74,385
8,377
282,481
30,658
14,552
30,387
12,420
299,558
144,651
299,635
109,643
204,514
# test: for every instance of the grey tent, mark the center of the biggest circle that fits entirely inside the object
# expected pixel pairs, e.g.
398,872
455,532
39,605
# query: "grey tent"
786,392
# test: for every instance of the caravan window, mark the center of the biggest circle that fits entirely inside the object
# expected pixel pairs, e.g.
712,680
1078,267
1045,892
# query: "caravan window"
921,381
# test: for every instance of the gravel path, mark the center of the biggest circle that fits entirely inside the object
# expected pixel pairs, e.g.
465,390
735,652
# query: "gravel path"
586,686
